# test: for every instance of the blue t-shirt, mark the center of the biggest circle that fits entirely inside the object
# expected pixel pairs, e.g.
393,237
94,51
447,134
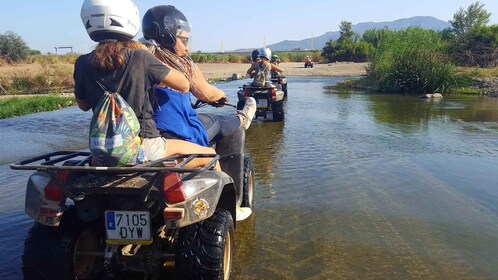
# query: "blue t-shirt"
174,114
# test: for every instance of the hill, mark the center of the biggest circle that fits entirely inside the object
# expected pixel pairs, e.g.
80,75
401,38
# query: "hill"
320,41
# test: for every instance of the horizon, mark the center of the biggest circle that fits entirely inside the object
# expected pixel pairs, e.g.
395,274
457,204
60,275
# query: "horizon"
224,26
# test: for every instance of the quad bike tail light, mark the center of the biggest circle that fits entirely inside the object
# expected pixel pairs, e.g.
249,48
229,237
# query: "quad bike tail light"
53,190
247,93
273,93
175,190
172,188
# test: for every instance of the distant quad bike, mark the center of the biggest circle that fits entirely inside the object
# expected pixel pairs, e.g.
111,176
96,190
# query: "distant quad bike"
308,63
95,222
269,99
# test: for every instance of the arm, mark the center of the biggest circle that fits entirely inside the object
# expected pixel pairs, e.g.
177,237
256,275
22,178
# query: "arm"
251,69
176,80
202,90
277,68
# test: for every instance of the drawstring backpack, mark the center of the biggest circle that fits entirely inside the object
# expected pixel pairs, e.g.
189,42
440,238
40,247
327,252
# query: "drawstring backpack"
260,79
114,130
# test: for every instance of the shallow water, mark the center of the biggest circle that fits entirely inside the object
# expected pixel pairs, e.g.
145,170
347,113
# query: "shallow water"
349,186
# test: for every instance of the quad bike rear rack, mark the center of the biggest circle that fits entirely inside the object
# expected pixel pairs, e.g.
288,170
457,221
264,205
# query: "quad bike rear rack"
52,163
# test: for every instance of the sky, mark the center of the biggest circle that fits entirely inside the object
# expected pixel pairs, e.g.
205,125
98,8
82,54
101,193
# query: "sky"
223,25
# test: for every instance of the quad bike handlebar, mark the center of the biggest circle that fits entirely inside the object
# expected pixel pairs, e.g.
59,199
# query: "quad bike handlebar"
217,104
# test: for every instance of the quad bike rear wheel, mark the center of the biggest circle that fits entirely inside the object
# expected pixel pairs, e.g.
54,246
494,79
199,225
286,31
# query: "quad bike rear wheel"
206,249
58,253
278,111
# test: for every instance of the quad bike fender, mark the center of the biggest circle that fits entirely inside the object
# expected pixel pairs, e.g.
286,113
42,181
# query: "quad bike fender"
40,208
202,205
279,96
231,150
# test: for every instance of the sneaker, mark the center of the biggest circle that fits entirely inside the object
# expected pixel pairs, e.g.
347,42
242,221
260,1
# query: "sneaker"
247,113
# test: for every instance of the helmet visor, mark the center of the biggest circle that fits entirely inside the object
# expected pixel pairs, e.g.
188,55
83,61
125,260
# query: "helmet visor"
176,26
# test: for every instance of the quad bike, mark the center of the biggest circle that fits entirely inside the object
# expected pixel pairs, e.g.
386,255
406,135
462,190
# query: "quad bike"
308,63
269,98
94,222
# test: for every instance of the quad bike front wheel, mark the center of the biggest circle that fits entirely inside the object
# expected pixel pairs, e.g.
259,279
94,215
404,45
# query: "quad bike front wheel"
58,253
240,105
248,184
206,249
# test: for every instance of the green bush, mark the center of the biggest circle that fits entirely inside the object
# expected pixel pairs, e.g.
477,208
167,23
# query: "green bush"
19,106
412,60
246,58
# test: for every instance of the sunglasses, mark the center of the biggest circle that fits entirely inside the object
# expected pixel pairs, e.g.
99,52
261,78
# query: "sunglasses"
183,39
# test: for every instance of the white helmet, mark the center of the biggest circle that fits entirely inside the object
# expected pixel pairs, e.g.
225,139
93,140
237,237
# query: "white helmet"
110,19
265,53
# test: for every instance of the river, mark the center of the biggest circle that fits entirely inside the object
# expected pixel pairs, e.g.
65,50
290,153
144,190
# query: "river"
349,186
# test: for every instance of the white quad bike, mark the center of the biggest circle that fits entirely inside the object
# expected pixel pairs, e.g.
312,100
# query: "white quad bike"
95,222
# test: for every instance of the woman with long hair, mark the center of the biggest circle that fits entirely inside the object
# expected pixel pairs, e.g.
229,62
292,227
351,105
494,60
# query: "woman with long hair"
166,34
113,24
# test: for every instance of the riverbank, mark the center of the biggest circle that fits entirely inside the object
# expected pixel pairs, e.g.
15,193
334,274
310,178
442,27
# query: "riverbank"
224,71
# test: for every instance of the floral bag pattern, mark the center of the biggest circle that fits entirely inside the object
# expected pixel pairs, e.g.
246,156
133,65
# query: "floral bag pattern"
114,138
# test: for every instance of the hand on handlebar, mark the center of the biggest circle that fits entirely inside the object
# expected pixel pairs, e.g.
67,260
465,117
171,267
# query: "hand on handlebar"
221,102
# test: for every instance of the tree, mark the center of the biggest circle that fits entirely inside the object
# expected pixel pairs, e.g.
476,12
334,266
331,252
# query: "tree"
473,43
346,48
346,31
13,46
464,20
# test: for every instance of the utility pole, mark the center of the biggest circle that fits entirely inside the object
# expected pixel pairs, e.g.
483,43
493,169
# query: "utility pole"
222,50
311,40
264,41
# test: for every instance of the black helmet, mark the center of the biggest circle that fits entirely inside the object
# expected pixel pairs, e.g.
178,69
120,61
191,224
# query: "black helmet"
255,55
163,23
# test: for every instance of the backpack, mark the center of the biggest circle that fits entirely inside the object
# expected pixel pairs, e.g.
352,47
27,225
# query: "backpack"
114,129
260,78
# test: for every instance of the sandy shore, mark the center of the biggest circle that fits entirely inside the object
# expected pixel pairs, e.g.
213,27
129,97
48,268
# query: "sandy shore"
226,70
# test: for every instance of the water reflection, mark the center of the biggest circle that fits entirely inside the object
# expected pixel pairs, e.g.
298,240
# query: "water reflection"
264,143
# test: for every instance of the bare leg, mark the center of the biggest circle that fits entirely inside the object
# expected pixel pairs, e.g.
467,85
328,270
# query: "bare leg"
176,147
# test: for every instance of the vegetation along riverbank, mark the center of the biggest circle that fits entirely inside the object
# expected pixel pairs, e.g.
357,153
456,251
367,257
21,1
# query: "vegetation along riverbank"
462,59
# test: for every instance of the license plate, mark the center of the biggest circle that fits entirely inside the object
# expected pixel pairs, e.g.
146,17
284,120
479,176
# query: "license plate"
262,103
128,227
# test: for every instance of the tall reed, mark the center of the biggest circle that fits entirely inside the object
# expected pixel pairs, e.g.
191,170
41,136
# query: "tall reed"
412,60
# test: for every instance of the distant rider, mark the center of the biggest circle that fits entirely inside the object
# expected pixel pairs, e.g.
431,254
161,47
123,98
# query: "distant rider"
263,68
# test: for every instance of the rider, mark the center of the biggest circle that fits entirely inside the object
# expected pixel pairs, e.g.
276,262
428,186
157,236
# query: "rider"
276,61
278,75
254,58
263,68
166,34
113,24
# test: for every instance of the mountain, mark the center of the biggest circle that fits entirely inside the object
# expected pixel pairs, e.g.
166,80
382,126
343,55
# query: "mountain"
320,41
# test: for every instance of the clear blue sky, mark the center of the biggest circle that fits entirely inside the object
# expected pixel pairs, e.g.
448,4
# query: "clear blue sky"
218,24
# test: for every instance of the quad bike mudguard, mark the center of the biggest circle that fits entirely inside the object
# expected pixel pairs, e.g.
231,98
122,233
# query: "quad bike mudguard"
231,151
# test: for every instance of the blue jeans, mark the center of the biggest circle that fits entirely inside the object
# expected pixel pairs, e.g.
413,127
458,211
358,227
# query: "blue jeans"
218,126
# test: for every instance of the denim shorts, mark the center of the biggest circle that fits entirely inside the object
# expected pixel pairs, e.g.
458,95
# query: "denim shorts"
154,148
